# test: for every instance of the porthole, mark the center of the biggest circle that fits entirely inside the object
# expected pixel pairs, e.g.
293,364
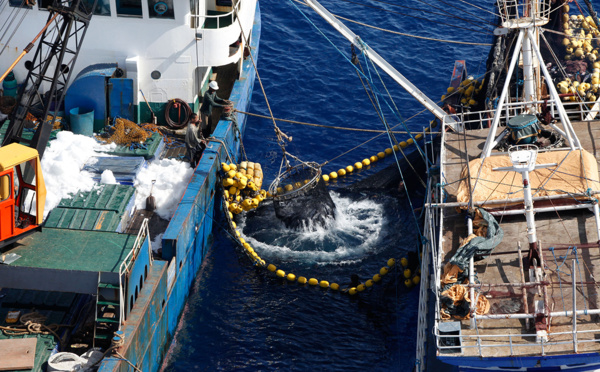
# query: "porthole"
155,74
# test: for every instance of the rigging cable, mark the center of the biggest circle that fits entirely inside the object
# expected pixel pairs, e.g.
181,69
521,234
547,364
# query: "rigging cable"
397,32
280,135
13,17
445,13
416,17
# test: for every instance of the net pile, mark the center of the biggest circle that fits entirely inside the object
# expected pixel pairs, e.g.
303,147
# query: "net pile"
125,132
300,197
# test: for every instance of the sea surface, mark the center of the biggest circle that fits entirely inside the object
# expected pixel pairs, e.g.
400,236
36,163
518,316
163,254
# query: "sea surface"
239,318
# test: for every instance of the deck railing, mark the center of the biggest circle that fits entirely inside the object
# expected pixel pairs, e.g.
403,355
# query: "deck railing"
580,111
128,262
199,20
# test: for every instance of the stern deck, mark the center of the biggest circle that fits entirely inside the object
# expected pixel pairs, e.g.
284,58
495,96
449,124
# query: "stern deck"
558,232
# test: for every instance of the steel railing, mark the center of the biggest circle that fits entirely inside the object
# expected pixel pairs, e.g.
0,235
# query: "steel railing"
128,262
198,20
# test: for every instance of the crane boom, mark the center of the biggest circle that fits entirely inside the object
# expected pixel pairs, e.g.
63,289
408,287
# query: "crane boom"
383,64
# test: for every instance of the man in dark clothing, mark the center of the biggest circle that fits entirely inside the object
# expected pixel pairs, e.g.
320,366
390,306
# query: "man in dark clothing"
210,101
194,141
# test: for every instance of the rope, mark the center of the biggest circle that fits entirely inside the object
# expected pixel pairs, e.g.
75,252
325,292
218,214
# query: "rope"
327,126
33,323
420,18
177,103
280,135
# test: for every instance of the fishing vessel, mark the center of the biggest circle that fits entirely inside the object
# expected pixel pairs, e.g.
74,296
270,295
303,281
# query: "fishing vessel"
512,223
83,287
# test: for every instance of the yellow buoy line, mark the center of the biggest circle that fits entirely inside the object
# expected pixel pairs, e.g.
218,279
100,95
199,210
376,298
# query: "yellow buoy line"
241,193
379,156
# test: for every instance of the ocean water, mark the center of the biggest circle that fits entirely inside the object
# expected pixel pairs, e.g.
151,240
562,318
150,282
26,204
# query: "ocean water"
239,318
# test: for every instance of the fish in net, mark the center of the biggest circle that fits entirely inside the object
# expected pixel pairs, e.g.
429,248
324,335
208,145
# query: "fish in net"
300,197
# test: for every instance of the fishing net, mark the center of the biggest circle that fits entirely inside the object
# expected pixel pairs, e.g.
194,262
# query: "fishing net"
126,132
456,303
300,197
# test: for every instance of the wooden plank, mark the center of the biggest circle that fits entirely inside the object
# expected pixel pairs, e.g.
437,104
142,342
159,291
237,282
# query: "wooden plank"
16,354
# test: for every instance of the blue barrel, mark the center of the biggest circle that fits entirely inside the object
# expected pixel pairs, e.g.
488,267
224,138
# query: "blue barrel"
9,85
82,121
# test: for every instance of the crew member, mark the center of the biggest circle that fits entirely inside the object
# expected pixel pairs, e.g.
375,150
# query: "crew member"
194,141
210,101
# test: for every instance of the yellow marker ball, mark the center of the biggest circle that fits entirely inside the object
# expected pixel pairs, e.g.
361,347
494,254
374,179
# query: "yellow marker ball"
396,148
225,167
407,273
233,190
325,178
410,141
373,158
366,162
376,278
404,261
227,182
288,188
233,167
358,165
334,286
242,241
369,283
291,277
332,175
349,169
361,287
279,190
389,151
250,250
450,90
271,268
352,291
324,284
302,280
403,144
313,281
280,273
384,270
416,279
408,283
238,233
419,136
232,222
381,155
391,262
231,173
341,172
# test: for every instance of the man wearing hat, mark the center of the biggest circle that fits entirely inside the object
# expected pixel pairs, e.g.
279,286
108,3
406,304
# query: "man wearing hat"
209,101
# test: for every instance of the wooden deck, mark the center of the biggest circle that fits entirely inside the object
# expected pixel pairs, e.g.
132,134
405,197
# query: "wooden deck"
554,229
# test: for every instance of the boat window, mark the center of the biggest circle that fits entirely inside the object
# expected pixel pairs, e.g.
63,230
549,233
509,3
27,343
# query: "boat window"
20,3
5,187
102,7
129,8
161,9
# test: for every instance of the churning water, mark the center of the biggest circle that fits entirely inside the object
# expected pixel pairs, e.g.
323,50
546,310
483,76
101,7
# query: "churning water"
239,318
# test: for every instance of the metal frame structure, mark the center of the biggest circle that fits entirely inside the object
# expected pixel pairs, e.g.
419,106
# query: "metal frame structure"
58,47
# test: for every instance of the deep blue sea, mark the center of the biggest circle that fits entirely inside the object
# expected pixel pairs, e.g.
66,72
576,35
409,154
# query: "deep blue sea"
239,318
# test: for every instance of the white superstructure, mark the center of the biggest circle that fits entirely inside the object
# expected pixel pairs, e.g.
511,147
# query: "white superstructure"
165,46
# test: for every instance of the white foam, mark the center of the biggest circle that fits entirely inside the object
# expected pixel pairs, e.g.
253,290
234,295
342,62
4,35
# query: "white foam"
172,177
157,243
62,163
108,177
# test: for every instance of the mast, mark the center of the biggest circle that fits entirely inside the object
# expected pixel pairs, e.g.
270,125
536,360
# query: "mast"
384,65
528,16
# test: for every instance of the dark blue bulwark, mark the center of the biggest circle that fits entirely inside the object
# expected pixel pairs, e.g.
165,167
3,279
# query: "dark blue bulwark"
153,319
537,363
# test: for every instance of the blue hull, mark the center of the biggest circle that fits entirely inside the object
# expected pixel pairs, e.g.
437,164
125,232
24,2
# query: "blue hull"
152,323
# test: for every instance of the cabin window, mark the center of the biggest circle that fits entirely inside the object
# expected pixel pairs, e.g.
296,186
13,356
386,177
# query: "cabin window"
161,9
102,7
20,3
5,187
129,8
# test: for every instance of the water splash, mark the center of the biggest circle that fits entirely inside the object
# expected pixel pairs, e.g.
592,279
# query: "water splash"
352,235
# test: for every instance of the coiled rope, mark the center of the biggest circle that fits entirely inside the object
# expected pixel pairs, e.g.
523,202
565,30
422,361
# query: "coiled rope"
178,104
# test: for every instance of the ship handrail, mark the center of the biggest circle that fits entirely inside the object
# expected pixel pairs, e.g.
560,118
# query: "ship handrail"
196,18
512,109
127,263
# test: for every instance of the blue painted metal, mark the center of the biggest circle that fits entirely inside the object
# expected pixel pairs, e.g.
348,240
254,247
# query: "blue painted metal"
88,91
539,363
152,324
120,96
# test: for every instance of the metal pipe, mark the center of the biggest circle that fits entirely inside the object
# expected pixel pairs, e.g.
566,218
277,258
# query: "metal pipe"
523,289
513,212
574,329
506,201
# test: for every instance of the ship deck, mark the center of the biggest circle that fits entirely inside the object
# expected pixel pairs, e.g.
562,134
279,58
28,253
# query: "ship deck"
556,231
